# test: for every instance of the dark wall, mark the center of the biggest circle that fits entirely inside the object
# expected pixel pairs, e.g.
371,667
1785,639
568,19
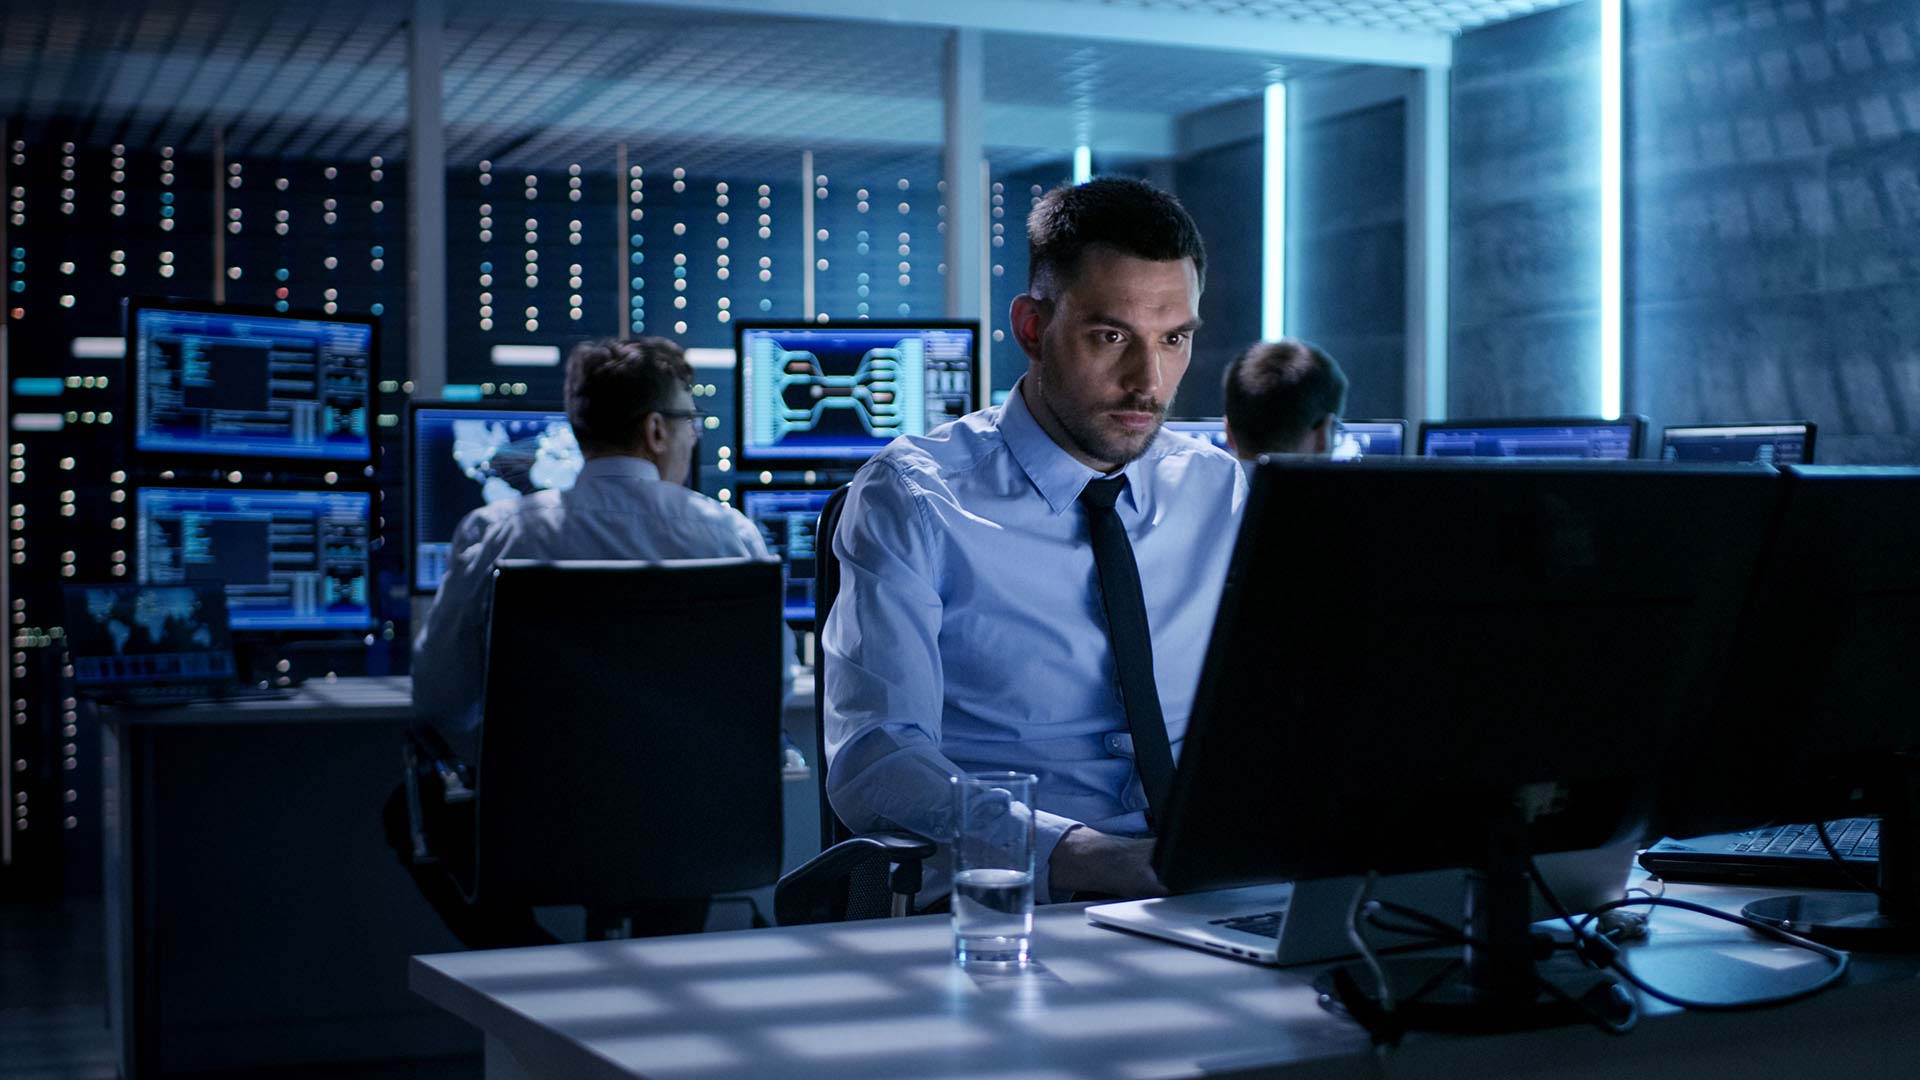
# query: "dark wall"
1221,189
1347,272
1773,259
1524,264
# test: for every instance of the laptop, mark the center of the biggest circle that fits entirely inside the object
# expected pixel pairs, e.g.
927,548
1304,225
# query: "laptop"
1787,856
153,644
1305,922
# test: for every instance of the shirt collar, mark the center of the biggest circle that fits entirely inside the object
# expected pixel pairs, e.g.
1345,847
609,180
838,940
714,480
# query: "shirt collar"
619,467
1056,474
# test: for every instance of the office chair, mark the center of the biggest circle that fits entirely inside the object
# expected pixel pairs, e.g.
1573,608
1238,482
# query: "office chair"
864,876
629,754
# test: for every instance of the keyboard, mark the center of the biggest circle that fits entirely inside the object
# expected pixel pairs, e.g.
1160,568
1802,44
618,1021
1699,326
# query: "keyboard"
1786,856
1853,838
1265,924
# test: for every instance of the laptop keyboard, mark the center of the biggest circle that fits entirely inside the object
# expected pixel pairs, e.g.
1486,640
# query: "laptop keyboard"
1266,924
1854,838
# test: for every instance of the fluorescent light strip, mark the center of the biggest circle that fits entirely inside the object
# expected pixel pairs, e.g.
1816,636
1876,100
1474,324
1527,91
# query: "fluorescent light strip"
1082,164
1610,207
99,348
711,358
526,355
1273,217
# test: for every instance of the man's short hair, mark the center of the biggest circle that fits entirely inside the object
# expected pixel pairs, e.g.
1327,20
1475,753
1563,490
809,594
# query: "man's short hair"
1276,391
1130,216
613,384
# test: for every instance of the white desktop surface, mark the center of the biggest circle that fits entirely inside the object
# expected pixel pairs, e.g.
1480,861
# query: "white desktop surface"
881,999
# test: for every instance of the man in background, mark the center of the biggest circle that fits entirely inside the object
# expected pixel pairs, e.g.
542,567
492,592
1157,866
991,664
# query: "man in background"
1283,397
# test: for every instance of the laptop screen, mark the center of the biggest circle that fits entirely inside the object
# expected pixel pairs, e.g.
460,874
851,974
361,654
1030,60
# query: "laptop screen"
142,635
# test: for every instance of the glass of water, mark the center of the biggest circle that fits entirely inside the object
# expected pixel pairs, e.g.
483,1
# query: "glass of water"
993,855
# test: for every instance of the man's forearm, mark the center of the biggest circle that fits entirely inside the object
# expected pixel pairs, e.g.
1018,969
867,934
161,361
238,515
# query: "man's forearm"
1089,861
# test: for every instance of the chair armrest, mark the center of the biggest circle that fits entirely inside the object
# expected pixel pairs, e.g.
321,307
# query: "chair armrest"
436,781
827,887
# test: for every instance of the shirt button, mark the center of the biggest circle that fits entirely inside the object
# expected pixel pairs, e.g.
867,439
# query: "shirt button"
1119,744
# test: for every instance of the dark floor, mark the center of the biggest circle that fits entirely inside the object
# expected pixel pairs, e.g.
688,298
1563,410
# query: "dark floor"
53,1013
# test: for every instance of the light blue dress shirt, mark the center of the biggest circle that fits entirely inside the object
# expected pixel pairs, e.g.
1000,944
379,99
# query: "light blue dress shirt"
968,633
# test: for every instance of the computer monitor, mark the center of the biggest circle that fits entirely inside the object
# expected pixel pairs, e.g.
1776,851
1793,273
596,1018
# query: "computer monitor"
1765,444
244,383
1370,438
1507,680
1614,440
462,456
832,394
290,560
122,635
1213,431
787,517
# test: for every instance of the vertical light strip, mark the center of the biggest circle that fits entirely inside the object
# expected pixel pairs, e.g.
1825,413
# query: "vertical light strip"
1082,164
1273,217
1611,65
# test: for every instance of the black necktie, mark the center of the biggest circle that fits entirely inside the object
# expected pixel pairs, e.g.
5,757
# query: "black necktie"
1127,631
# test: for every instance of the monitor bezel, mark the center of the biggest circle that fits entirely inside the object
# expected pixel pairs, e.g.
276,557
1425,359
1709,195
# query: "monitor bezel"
743,456
130,364
376,540
1636,438
739,505
409,479
1811,430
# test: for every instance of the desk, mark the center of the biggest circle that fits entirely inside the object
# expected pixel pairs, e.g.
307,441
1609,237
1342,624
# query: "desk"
880,999
254,913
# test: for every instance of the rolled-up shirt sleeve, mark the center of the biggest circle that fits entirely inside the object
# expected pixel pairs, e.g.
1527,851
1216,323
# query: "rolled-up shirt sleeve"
884,682
449,651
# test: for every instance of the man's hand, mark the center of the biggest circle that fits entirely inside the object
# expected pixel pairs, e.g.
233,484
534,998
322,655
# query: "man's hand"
1087,861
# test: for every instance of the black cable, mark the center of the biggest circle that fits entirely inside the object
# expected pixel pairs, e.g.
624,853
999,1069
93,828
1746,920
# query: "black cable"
1602,952
1833,851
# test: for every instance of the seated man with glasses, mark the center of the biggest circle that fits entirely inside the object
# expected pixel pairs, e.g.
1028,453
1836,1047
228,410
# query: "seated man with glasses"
1283,397
631,406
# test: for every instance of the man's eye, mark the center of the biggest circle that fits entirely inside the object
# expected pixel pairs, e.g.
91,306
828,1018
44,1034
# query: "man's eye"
1112,337
1177,339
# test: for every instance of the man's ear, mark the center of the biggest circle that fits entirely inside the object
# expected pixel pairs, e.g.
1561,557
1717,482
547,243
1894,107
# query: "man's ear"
1028,315
1323,435
657,435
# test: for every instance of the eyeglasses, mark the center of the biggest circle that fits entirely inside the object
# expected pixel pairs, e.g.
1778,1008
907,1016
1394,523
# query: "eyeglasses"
695,416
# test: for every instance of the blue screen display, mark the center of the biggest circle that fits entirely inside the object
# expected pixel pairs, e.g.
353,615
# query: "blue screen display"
1369,438
1768,444
251,385
1213,431
464,459
787,519
133,635
1612,441
839,394
289,560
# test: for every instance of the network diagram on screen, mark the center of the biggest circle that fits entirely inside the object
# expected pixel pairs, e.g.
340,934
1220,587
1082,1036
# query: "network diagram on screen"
843,393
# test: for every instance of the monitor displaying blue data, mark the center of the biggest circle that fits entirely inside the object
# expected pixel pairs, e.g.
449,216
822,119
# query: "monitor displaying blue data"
1360,439
1213,431
213,381
1766,444
787,518
141,635
1598,439
832,395
288,560
464,457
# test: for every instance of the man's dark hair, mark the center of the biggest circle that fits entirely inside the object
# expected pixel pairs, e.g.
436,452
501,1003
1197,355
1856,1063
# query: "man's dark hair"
1129,216
1277,390
613,384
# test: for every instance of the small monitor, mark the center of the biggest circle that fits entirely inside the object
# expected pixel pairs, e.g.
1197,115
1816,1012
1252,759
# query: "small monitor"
819,394
462,457
1766,444
787,517
1213,431
141,635
1370,438
1612,440
210,379
290,560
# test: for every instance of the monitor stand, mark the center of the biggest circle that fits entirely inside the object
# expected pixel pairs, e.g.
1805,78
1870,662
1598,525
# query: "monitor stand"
1497,983
1888,921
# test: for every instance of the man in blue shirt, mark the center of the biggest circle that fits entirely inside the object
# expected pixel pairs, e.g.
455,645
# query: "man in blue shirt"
975,629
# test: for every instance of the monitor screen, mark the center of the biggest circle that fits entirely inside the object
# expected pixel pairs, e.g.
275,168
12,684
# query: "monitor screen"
1605,439
290,560
1370,438
136,635
211,381
787,517
1213,431
1768,444
464,457
831,395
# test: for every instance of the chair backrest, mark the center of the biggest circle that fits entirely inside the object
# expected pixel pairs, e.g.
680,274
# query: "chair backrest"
630,747
826,591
